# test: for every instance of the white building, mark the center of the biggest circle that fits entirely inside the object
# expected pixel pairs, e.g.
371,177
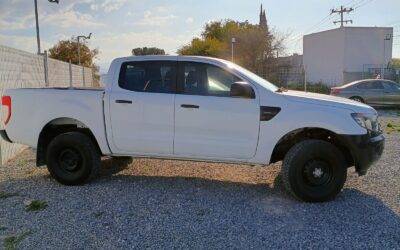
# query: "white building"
341,55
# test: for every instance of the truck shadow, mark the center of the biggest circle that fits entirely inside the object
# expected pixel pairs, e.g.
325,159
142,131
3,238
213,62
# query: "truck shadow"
139,211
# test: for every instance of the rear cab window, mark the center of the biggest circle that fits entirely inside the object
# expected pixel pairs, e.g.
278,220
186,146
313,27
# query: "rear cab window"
148,76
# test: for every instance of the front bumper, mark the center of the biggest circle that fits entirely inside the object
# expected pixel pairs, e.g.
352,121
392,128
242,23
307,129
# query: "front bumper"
365,149
4,135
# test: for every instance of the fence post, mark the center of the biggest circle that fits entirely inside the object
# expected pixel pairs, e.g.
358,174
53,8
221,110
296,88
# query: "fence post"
70,74
83,75
46,69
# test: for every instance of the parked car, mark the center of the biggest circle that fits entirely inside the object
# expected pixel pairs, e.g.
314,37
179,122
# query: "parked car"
195,108
370,91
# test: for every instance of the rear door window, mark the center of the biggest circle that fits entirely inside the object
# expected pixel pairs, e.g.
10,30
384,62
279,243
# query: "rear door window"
151,76
370,85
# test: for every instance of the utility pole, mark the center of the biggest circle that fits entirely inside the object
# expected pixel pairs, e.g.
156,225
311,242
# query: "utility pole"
341,11
37,23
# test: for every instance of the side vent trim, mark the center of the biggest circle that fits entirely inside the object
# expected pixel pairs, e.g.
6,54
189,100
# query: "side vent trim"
267,113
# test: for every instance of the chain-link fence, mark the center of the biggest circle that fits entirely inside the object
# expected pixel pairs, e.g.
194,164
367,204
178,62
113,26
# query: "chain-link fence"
293,78
20,69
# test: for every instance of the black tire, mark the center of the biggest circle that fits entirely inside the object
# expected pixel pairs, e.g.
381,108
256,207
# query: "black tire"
73,158
314,171
357,99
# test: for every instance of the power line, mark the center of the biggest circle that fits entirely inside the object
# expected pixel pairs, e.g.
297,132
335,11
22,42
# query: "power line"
362,4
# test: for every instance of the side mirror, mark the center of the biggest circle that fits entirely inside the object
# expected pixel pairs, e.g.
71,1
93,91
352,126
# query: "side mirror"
242,90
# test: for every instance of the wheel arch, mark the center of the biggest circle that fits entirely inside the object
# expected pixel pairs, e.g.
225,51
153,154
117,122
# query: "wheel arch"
293,137
56,127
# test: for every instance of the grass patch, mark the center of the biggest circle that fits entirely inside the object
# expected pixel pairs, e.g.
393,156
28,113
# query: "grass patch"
11,242
392,127
22,162
4,195
35,205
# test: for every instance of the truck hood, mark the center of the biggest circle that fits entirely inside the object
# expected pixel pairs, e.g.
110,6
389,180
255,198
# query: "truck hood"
327,100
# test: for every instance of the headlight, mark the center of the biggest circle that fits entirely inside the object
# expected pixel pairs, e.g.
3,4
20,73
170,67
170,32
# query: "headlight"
367,121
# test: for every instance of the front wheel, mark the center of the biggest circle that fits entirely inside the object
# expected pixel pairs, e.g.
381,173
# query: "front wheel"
314,171
73,158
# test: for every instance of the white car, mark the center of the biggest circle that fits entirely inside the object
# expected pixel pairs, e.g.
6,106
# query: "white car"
195,108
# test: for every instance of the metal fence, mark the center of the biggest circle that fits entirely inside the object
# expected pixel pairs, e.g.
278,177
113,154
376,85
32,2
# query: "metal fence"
19,69
295,78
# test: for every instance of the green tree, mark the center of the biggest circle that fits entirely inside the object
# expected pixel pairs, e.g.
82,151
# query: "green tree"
199,47
395,63
147,51
255,47
66,50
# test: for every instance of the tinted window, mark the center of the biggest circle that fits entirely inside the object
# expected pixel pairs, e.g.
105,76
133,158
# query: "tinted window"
370,85
391,86
205,79
155,77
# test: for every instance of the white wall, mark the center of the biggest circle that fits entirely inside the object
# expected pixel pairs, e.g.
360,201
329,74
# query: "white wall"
323,56
20,69
366,46
329,54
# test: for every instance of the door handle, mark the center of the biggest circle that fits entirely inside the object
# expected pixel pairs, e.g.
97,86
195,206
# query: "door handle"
124,101
190,106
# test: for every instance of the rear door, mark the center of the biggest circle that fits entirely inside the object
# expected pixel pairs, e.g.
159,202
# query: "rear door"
391,94
142,108
371,91
208,122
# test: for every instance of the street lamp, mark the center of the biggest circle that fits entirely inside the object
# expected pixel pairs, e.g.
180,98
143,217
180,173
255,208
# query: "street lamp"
37,23
388,37
79,48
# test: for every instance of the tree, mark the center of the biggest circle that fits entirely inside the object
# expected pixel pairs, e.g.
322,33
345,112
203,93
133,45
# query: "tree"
255,47
395,63
207,47
66,50
147,51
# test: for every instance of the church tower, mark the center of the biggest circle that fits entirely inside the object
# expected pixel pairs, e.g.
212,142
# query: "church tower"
263,19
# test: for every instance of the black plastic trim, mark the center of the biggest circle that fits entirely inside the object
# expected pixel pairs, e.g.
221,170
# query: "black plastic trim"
190,106
123,101
4,135
365,149
267,113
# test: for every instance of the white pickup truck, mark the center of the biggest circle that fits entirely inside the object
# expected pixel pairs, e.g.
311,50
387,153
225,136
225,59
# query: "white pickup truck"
195,108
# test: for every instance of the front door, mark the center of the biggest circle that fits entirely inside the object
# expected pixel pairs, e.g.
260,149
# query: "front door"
391,93
372,92
208,122
142,108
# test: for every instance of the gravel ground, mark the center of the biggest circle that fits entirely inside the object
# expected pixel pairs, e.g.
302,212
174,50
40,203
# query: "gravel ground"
170,204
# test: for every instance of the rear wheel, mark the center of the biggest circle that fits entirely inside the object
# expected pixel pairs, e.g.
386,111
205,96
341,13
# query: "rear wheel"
357,99
72,158
314,171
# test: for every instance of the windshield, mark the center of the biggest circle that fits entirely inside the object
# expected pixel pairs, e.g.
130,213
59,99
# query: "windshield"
264,83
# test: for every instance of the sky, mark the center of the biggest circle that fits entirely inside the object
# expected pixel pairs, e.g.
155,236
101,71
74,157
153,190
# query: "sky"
118,26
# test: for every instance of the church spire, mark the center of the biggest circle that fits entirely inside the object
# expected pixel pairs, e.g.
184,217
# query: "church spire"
263,19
